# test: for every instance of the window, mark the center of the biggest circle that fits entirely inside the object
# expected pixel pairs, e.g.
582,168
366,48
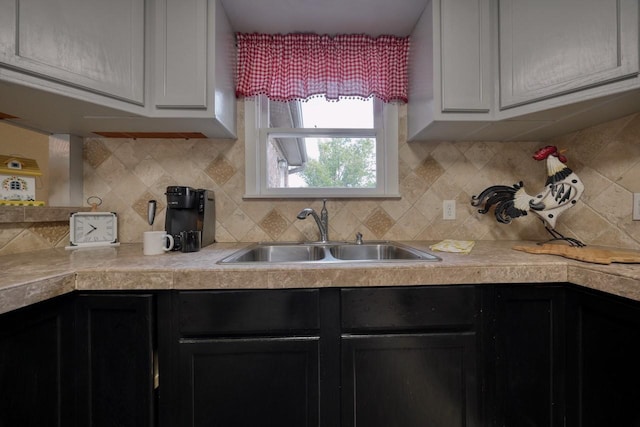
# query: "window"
317,148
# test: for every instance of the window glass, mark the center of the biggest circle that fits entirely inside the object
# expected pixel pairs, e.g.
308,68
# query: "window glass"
317,112
320,162
317,148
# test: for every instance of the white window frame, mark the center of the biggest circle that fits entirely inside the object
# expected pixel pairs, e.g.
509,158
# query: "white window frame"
257,135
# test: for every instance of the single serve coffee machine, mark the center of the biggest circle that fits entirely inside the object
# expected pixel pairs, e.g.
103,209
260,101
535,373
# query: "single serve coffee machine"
190,217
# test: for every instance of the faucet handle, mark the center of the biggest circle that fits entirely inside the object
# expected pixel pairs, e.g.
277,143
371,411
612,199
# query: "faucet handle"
358,238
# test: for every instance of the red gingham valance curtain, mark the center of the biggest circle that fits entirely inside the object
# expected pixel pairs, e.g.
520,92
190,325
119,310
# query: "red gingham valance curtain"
296,66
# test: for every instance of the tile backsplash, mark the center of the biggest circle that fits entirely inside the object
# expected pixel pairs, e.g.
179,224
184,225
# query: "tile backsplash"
127,173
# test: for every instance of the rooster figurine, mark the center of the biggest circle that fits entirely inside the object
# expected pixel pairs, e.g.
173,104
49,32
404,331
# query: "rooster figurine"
562,191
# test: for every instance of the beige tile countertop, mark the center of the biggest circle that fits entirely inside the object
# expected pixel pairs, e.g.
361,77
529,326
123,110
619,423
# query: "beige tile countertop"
32,277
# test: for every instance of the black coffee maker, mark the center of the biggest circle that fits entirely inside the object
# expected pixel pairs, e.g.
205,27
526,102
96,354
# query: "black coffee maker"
190,211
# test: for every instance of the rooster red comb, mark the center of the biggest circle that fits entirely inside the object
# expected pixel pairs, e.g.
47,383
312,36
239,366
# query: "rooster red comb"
545,152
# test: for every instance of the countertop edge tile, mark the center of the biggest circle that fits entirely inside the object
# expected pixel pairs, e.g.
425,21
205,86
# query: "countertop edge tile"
626,287
124,280
28,293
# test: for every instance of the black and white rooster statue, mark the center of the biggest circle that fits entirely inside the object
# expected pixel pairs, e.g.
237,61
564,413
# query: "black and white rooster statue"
562,191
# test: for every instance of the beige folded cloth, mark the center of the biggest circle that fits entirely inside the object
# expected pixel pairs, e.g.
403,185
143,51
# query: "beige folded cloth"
458,246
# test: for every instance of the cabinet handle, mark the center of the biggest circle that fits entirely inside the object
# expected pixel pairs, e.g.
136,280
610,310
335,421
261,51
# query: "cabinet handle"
156,371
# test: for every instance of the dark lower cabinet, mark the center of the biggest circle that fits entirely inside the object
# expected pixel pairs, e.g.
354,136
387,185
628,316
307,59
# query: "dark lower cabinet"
566,357
249,382
607,361
530,356
36,365
436,356
410,357
410,381
366,357
241,359
78,360
114,362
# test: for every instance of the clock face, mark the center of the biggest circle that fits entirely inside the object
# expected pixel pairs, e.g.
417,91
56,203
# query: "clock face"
93,228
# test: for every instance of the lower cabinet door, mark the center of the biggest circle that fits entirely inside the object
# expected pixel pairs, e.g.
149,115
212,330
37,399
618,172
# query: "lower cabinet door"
530,356
608,337
36,366
114,370
410,380
249,382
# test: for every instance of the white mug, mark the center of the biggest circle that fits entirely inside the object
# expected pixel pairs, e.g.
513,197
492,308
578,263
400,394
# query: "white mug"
155,242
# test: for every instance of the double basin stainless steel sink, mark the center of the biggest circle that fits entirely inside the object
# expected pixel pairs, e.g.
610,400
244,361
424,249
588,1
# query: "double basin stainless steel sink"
330,252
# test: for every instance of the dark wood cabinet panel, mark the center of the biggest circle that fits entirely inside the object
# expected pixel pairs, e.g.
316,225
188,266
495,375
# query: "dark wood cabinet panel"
248,312
408,308
410,381
249,382
566,356
410,357
608,353
36,366
115,340
437,356
530,363
242,358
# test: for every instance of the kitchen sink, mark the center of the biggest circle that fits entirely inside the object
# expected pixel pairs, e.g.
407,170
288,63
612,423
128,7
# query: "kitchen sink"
331,252
379,252
277,253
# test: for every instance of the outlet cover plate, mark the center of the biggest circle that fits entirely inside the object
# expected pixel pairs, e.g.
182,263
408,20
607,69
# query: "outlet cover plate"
448,209
636,206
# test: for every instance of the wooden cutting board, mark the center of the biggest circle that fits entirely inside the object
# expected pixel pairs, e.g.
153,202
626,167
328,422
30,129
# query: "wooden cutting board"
594,254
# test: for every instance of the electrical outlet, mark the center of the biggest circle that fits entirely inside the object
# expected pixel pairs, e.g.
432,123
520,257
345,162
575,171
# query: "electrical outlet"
448,209
636,206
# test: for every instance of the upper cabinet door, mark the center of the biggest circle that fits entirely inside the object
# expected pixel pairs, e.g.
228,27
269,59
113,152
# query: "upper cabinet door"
553,47
93,44
465,55
450,67
181,53
194,74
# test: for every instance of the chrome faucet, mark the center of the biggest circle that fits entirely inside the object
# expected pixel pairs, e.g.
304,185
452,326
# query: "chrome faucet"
322,221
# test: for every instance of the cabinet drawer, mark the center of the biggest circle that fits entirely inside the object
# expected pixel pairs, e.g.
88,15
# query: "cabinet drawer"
250,312
408,308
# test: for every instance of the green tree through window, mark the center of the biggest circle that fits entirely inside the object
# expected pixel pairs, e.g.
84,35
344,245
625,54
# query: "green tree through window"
343,162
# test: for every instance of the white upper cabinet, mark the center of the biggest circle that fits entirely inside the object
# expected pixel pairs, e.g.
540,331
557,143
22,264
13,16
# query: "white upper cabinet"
7,29
465,55
521,69
450,67
194,61
93,44
553,47
181,54
86,66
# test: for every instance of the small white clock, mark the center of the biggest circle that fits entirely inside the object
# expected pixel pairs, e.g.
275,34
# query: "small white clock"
93,229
